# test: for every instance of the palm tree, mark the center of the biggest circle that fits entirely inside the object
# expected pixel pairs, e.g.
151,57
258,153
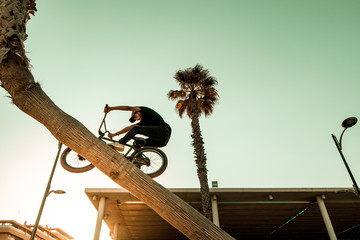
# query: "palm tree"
27,95
197,95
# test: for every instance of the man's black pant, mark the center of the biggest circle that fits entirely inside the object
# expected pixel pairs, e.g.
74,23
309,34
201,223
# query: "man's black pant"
158,136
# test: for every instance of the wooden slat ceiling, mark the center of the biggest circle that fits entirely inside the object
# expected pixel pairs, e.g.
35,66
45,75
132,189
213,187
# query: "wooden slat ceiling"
243,213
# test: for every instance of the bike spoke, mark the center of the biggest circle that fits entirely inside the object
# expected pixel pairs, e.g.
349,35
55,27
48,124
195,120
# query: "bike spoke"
152,162
73,162
76,161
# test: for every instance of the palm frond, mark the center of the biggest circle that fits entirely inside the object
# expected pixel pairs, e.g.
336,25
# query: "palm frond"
197,69
207,106
203,106
197,91
181,77
176,94
181,107
211,94
210,82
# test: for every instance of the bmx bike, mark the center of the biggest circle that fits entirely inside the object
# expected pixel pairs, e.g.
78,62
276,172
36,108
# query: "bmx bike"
151,160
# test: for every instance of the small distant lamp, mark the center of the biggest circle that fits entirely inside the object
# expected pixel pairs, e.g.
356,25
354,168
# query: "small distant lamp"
347,123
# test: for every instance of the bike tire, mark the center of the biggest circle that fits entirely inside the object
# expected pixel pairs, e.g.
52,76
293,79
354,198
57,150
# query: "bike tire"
158,161
73,162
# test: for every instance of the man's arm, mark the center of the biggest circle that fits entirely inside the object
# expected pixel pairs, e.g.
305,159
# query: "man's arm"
122,108
124,130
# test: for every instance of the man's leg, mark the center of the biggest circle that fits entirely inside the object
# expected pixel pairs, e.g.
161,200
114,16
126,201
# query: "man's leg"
160,139
156,134
129,135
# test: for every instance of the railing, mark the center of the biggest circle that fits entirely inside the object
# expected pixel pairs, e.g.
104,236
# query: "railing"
44,233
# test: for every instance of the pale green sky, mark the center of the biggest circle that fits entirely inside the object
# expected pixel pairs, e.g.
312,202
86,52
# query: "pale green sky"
288,74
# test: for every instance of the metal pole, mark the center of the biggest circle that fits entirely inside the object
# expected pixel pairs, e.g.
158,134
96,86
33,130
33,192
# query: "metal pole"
215,212
46,194
346,165
326,218
115,232
100,217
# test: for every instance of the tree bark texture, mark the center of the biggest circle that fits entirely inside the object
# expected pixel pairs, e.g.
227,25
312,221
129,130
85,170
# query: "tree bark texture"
200,159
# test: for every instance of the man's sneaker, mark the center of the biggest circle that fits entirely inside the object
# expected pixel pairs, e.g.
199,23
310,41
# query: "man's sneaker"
117,146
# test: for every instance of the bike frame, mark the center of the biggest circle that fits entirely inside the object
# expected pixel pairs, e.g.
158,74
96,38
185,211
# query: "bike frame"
102,137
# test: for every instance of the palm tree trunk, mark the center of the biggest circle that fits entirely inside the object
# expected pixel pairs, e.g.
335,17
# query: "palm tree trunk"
29,97
200,157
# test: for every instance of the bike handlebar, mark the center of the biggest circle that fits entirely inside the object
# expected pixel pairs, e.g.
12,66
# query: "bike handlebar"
103,123
106,106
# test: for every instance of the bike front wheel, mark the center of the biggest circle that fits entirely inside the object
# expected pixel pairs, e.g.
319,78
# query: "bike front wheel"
152,161
73,162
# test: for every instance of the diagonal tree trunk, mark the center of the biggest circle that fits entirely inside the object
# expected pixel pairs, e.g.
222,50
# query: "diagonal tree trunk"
28,96
200,156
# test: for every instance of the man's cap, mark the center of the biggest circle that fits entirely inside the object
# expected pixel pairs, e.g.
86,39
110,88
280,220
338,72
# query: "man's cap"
132,117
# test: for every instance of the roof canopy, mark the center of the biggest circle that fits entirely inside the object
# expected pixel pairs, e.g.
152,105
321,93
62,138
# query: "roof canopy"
278,213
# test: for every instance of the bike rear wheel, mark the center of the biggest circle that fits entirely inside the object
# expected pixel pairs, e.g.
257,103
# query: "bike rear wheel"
152,161
73,162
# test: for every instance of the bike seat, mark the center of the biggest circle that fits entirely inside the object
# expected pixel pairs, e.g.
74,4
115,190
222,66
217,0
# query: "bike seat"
139,142
139,138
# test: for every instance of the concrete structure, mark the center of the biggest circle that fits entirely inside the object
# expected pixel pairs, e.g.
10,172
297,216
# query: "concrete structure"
281,213
13,230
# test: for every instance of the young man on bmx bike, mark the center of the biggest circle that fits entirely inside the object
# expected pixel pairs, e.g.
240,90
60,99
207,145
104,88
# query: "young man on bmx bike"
150,124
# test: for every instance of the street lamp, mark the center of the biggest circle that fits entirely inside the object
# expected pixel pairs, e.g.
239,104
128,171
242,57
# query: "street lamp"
57,192
46,194
347,123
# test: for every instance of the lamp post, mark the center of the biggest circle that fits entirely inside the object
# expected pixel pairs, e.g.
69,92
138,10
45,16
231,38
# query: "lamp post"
46,194
347,123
